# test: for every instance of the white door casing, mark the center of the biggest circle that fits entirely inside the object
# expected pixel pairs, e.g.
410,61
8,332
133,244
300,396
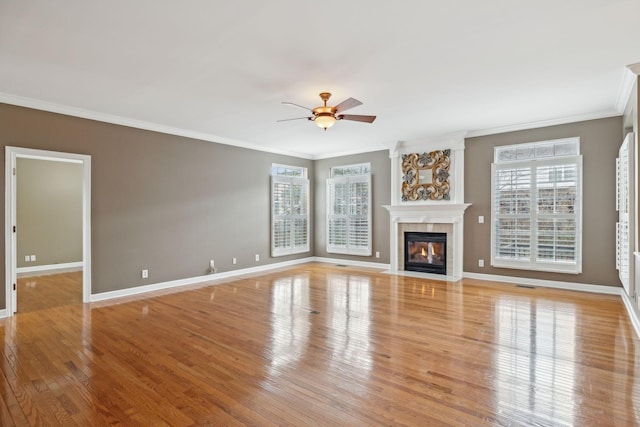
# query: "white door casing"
11,154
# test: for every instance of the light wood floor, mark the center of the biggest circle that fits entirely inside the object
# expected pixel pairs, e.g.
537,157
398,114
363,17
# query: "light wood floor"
321,345
55,290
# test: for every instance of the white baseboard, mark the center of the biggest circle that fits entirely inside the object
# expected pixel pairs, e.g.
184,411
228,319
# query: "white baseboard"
211,278
49,269
633,314
600,289
352,263
3,313
570,286
103,296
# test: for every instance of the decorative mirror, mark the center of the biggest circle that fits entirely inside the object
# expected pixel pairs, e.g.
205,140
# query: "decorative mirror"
426,176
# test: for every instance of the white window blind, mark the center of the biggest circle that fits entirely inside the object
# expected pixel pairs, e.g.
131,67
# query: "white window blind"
289,215
536,202
349,215
624,185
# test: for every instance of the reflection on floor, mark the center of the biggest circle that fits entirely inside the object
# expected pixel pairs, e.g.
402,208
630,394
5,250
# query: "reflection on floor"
321,345
53,290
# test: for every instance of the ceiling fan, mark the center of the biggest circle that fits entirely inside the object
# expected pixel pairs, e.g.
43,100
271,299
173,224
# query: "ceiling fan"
326,116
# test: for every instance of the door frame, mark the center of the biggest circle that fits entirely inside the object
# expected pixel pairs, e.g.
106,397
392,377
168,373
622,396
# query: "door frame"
11,155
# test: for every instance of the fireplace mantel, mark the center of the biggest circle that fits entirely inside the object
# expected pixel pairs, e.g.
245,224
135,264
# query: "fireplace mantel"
441,212
427,215
452,214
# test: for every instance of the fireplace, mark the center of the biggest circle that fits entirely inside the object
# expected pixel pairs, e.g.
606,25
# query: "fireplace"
428,216
425,252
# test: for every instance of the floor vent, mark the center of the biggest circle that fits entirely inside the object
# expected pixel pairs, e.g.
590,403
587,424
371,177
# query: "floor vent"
341,265
526,286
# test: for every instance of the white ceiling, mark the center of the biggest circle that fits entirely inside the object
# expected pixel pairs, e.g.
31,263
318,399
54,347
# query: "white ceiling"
220,70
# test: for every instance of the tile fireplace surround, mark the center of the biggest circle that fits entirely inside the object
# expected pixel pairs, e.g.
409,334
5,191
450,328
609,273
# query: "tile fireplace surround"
441,216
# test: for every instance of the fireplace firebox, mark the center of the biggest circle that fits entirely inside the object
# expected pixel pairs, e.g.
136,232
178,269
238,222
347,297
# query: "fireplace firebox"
425,252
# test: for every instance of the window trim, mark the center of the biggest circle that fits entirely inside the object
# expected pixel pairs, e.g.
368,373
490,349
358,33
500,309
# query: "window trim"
533,264
290,180
347,250
365,165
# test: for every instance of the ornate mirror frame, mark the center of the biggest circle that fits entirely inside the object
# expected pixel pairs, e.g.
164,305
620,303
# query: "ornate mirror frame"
426,176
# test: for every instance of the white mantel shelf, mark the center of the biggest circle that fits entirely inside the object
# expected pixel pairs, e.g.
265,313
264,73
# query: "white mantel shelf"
446,210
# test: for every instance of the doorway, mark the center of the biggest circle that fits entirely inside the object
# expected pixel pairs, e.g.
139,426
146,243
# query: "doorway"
14,155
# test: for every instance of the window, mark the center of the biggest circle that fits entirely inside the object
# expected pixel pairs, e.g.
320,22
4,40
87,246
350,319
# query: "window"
289,210
537,206
348,210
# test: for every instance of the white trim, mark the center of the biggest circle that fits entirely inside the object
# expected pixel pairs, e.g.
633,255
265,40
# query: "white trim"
445,213
569,286
532,262
347,180
103,296
573,139
9,246
453,141
51,267
350,262
290,181
633,315
211,279
138,124
543,123
11,154
626,87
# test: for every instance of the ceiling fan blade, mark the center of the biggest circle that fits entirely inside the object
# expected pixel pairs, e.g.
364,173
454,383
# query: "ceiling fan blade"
347,104
356,118
296,105
296,118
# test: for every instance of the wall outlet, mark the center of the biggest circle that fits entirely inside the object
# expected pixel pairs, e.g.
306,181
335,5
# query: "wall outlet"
480,263
481,219
377,254
33,258
234,260
145,274
212,264
27,258
257,257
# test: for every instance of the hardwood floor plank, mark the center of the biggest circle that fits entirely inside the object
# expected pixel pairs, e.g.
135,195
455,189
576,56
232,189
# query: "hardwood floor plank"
324,345
55,290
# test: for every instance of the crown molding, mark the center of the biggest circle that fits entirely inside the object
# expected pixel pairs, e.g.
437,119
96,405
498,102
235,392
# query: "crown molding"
626,86
544,123
51,107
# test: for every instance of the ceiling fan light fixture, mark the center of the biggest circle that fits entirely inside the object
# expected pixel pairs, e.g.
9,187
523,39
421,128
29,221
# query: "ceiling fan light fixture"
326,116
325,120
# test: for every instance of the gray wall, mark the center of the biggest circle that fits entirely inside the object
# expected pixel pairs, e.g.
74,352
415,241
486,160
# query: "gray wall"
49,211
599,143
161,202
381,195
170,204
